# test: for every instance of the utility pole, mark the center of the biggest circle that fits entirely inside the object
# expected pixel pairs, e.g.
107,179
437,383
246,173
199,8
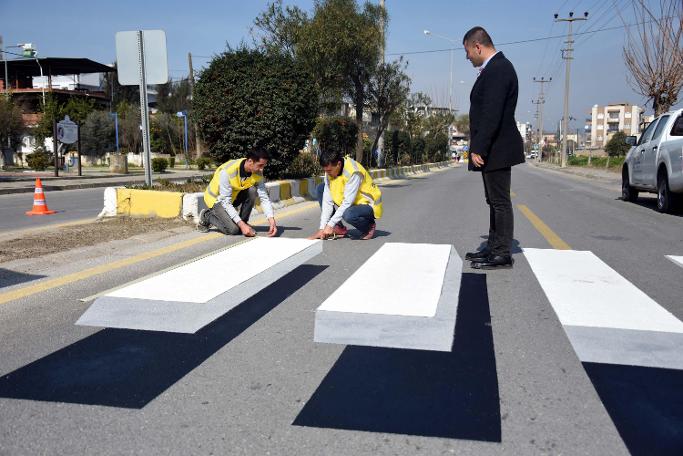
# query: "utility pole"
539,105
567,55
380,142
197,139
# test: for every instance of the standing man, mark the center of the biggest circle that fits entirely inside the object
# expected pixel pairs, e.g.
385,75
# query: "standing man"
237,183
348,193
495,143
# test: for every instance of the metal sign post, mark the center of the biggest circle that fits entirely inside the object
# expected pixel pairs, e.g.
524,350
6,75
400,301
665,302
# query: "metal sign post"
141,59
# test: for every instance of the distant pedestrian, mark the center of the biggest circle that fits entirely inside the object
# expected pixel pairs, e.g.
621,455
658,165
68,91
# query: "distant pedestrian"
495,143
349,194
236,184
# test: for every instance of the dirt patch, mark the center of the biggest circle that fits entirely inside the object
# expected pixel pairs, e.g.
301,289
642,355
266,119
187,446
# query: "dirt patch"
70,237
189,186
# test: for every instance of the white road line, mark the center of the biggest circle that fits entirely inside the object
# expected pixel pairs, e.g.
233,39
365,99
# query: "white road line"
676,259
607,318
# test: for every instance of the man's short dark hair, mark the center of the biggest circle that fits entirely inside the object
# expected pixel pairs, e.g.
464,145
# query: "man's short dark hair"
330,157
258,154
478,35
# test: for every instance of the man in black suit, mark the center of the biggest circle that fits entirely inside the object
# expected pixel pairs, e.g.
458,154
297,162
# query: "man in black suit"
495,143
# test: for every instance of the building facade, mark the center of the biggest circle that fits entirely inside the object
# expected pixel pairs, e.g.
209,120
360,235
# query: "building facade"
607,120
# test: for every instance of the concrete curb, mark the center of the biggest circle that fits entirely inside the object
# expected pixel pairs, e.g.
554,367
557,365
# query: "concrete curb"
126,202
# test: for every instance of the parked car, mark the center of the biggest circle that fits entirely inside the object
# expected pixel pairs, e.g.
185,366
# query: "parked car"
655,162
531,155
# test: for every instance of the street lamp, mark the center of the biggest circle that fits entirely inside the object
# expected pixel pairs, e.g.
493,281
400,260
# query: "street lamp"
115,116
450,78
183,114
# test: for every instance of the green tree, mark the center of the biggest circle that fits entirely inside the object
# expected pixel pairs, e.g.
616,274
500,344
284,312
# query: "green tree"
436,146
166,133
246,99
50,111
78,109
130,136
174,96
462,123
97,134
388,91
339,45
118,93
336,133
12,125
617,146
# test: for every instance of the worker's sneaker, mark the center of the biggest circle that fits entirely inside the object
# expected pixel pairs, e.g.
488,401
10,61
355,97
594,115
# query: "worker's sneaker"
370,234
202,225
340,230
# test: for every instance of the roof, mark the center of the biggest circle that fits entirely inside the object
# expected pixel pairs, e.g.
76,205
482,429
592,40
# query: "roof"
55,66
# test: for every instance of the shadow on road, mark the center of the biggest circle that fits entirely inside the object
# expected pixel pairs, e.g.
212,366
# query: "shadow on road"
645,404
128,368
414,392
9,277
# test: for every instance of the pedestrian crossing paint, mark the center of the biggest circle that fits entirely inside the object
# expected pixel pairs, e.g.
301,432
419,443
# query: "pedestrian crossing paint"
404,296
676,259
189,297
607,318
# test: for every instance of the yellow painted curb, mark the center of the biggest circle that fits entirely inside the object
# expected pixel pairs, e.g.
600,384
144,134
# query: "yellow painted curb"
148,203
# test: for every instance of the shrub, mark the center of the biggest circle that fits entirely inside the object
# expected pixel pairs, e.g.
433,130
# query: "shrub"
203,163
304,165
578,160
617,146
171,162
247,98
38,161
159,165
336,133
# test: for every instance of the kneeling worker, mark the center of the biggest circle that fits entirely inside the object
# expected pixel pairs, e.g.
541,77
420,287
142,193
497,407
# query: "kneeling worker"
236,183
348,194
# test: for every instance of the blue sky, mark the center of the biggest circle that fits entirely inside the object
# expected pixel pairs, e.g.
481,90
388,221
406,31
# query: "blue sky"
86,29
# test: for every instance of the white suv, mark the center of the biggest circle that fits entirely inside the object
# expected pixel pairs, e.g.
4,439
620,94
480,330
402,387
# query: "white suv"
655,162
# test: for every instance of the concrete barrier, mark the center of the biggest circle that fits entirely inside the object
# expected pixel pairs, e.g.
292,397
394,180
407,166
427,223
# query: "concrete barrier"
151,203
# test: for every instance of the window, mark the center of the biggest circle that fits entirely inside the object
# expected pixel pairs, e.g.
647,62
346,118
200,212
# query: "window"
677,129
599,127
648,133
627,115
601,116
660,127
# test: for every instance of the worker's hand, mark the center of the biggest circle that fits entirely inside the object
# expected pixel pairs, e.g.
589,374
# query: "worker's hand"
477,160
317,235
246,230
328,232
273,227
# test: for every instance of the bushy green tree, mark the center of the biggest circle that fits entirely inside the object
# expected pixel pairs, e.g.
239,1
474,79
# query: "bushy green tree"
617,146
130,136
436,146
11,123
336,133
98,134
247,98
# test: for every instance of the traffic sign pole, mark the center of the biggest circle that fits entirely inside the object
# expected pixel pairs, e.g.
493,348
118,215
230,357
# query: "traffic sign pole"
144,111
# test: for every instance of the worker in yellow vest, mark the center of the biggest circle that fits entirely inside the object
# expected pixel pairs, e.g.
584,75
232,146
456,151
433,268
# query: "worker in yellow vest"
347,194
236,184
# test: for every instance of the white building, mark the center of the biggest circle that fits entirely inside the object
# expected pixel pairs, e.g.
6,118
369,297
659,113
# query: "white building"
607,120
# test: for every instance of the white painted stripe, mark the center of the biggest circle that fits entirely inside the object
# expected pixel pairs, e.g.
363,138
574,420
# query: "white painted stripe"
584,291
676,259
210,276
399,279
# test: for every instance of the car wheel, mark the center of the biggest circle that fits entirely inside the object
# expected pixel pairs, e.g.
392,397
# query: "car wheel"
628,193
663,194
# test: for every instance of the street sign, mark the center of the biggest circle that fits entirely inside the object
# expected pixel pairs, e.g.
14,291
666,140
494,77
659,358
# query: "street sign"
128,61
67,131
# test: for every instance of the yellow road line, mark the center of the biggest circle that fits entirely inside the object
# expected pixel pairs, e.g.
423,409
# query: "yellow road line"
553,239
90,272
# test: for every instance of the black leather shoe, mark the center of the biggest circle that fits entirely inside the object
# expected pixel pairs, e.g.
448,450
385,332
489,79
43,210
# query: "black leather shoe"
480,255
494,262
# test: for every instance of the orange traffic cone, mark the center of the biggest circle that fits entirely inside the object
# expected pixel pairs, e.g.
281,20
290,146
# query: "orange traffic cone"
39,204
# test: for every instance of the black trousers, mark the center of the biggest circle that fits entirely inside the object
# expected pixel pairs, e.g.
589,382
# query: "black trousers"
501,218
218,216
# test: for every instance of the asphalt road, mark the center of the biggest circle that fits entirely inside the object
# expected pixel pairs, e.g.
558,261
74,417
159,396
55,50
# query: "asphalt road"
71,205
254,382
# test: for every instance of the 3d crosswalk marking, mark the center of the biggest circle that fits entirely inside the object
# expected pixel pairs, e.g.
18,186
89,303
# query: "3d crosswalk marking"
676,259
189,297
606,317
404,296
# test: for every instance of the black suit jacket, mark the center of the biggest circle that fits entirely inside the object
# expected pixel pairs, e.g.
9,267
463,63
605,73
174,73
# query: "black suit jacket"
493,130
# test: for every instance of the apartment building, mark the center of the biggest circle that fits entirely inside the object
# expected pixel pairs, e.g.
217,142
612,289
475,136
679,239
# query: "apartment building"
607,120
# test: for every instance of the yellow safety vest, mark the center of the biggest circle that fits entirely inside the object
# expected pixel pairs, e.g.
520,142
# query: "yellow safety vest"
232,169
368,193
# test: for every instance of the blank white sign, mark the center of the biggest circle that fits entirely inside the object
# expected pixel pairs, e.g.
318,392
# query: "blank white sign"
156,59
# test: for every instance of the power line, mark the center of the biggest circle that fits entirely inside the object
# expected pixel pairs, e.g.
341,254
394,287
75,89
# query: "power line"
532,40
